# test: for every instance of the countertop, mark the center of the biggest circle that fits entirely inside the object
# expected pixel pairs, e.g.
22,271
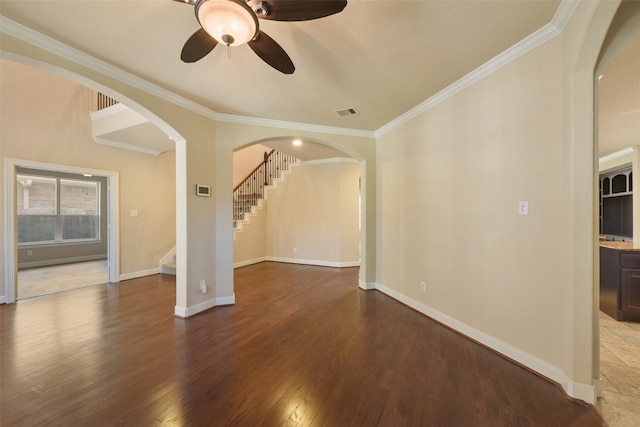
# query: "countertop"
621,246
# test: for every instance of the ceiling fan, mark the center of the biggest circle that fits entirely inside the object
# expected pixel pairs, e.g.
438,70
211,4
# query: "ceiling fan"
235,22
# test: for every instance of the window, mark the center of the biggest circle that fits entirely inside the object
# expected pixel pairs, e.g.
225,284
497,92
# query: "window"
54,209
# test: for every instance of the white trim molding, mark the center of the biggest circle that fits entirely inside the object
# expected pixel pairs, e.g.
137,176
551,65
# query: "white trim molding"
55,47
117,144
143,273
585,392
332,160
185,312
321,263
617,154
367,286
292,125
549,31
249,262
337,264
10,248
561,18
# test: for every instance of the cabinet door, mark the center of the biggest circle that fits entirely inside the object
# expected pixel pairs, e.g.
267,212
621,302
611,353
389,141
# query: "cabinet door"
630,301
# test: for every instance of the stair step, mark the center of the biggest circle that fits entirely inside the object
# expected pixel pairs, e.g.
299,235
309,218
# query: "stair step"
245,199
168,268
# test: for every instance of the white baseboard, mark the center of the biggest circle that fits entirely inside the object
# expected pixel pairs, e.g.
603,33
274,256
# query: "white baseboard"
597,383
249,262
185,312
298,261
3,299
366,286
60,261
585,392
137,274
320,263
226,300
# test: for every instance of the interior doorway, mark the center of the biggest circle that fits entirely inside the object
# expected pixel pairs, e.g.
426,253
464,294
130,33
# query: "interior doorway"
11,238
617,342
313,211
62,231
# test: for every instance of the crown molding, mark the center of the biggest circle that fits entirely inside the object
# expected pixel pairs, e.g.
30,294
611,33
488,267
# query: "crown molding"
108,111
616,155
549,31
51,45
118,144
536,39
331,160
293,125
62,50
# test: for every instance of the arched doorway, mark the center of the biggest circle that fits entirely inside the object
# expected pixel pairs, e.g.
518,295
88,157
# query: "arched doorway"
77,162
614,339
312,217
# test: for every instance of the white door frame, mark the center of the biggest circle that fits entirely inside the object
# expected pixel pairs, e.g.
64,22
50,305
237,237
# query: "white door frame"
10,242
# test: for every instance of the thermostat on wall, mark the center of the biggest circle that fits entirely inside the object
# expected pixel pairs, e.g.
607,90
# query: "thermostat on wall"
203,190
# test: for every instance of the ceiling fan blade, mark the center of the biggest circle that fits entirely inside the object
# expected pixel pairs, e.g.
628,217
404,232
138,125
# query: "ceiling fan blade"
272,53
198,46
191,2
300,10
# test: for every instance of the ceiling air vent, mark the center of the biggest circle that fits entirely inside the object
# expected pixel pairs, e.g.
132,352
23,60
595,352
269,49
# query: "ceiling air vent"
347,112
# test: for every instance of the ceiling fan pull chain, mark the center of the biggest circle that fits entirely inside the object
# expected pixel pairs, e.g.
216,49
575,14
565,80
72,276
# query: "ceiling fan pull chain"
228,52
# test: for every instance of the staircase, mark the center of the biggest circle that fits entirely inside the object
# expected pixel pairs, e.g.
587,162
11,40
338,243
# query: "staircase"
119,126
248,196
168,263
250,193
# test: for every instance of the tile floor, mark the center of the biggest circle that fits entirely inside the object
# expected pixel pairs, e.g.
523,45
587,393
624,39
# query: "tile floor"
620,372
47,280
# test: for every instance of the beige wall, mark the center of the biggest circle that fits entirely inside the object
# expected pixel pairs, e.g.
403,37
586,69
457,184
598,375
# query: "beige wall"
198,221
231,137
204,241
312,217
245,161
314,210
250,244
450,181
45,118
445,209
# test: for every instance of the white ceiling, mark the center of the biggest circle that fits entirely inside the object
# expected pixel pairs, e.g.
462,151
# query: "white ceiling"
382,57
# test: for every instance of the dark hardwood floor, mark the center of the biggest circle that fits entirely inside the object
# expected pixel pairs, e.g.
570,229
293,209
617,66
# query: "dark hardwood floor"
303,346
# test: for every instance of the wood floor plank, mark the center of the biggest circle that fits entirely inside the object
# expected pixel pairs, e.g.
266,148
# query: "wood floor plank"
302,346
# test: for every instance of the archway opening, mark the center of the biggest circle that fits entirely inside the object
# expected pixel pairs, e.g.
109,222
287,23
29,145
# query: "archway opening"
54,151
616,146
310,210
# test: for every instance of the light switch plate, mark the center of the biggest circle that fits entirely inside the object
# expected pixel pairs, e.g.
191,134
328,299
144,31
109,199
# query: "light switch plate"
523,208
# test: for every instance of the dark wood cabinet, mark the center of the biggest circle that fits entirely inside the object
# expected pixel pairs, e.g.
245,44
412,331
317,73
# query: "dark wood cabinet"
620,283
630,301
616,203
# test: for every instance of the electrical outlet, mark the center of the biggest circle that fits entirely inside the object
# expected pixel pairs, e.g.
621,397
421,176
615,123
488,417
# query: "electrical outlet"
203,286
29,253
423,286
295,250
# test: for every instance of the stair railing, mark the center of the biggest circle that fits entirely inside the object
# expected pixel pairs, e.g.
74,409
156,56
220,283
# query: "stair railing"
103,101
251,189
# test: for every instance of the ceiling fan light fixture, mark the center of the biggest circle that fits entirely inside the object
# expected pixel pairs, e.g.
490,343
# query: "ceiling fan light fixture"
230,22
